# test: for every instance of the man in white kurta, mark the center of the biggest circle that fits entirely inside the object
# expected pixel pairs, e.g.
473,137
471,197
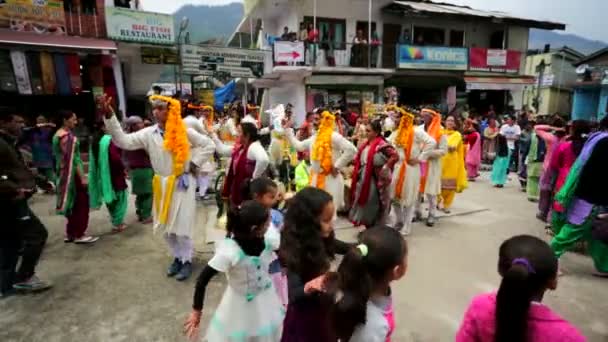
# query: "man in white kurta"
343,153
195,121
179,227
405,204
432,187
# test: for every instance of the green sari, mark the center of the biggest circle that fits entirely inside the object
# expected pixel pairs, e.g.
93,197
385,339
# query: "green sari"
68,164
568,233
101,190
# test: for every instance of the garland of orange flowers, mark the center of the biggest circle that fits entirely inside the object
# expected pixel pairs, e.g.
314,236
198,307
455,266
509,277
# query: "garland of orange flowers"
176,142
176,138
405,140
322,149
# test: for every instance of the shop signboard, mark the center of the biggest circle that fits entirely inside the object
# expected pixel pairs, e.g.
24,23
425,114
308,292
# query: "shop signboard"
138,26
492,60
288,52
432,58
211,60
37,16
156,55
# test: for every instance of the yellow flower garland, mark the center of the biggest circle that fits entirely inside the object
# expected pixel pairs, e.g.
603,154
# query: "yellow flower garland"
322,149
209,120
176,138
176,142
405,140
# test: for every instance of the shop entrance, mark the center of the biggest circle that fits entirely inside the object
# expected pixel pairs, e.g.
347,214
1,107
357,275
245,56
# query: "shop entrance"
481,100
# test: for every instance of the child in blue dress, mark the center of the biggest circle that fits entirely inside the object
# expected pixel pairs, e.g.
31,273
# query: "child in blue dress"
250,309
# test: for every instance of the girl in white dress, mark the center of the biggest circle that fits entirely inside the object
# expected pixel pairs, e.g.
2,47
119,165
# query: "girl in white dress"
250,309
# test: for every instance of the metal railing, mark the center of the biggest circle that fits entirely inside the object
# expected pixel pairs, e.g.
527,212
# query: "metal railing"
344,55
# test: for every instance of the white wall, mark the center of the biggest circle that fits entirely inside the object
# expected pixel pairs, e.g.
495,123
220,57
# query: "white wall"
138,76
294,93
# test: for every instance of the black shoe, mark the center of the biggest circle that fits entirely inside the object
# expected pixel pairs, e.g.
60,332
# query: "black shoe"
430,221
175,268
185,272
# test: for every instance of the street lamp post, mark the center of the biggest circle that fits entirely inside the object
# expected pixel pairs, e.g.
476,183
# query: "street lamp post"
183,25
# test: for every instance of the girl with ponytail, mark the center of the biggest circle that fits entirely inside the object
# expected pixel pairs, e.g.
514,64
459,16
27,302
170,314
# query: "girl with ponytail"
528,268
250,309
364,312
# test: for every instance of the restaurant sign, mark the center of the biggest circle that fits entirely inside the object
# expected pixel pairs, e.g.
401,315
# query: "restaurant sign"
432,58
37,16
137,26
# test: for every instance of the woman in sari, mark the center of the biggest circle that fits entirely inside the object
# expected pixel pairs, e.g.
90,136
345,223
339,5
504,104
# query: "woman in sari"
473,142
72,195
501,162
107,183
489,144
370,195
564,157
582,194
551,136
453,178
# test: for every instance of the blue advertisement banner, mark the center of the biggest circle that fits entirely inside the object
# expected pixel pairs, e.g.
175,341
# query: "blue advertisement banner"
432,58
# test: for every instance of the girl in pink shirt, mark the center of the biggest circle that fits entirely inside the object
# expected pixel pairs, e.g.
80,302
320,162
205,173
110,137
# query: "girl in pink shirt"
515,313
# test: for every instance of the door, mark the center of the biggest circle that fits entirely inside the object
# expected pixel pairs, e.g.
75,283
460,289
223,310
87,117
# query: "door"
390,37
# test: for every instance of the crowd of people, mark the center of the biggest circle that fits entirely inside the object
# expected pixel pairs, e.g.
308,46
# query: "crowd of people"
383,172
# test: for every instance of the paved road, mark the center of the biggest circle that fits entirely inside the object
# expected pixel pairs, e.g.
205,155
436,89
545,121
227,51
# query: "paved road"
117,291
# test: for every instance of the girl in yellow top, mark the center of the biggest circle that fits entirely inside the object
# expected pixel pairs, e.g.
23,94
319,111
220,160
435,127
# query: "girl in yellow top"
453,178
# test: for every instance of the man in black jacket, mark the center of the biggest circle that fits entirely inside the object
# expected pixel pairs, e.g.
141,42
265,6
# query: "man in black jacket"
21,231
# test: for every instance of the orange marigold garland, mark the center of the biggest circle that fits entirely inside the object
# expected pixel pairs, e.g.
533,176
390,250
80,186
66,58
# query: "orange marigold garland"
322,149
405,140
176,138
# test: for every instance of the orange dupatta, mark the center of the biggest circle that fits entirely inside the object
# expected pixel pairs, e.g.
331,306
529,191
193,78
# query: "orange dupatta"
405,140
435,131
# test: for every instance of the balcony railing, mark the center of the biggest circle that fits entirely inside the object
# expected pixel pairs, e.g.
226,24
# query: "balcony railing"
85,25
343,55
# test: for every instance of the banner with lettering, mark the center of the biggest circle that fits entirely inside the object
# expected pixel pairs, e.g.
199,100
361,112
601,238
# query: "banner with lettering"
432,58
21,73
37,16
137,26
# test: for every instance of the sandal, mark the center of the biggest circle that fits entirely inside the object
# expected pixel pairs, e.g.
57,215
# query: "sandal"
119,229
85,240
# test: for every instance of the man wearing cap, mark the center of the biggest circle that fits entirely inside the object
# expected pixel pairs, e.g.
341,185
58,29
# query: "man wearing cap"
175,159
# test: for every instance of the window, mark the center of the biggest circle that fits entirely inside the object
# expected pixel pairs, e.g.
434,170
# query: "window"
456,38
429,36
122,3
497,40
82,6
331,31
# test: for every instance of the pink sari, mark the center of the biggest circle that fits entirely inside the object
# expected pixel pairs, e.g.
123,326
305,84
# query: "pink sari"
473,158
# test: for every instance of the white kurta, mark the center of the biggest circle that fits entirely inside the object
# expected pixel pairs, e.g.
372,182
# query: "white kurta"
196,124
423,144
182,209
255,153
343,152
433,178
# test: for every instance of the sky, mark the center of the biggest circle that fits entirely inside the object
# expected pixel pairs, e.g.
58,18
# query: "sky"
585,18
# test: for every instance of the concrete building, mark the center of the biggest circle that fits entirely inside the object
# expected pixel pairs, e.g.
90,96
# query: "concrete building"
555,75
591,89
433,53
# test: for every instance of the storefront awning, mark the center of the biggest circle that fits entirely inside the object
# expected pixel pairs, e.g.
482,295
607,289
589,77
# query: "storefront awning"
47,40
498,83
